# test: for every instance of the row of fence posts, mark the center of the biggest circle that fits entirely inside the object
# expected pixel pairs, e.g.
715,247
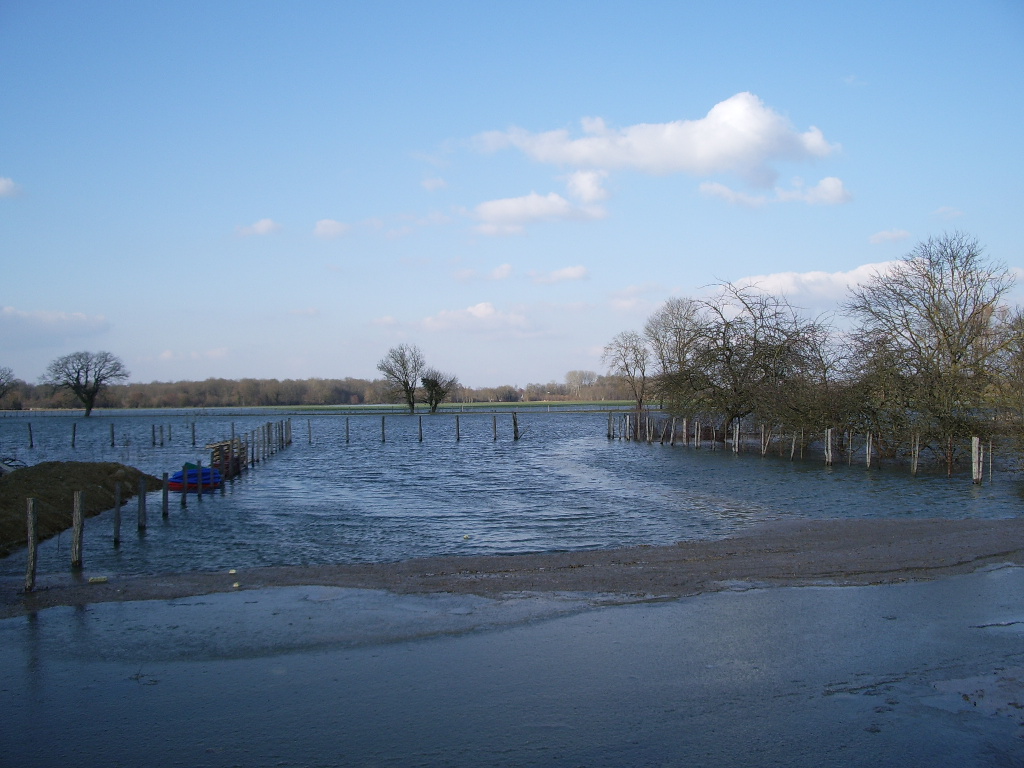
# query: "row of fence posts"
265,441
645,428
113,442
516,433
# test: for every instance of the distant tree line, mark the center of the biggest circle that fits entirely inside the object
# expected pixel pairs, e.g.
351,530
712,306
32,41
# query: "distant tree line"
931,357
217,392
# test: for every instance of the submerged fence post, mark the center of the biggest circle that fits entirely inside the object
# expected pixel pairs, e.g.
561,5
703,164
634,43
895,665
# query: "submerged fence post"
494,426
31,520
383,435
142,504
421,428
515,426
117,513
458,435
30,443
977,460
111,434
74,432
77,530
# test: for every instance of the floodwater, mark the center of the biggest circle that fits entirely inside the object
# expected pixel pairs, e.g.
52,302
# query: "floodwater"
340,494
927,674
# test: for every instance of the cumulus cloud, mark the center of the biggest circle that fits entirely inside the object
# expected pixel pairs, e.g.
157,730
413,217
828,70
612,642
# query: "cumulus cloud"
509,215
479,317
828,191
328,229
561,275
20,327
432,184
587,186
261,227
815,288
948,212
739,135
7,187
721,191
888,236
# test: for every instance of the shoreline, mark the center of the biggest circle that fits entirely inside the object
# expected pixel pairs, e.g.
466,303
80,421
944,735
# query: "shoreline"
793,553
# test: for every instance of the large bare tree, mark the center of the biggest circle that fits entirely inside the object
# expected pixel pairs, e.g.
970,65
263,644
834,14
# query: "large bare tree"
85,374
628,356
402,366
938,316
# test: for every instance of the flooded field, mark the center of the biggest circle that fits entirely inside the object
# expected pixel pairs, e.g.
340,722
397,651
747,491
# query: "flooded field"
340,494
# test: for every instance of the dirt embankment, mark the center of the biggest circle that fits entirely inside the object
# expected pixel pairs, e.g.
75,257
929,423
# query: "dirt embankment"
53,485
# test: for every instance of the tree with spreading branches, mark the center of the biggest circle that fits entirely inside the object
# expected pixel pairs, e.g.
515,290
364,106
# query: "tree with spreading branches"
85,374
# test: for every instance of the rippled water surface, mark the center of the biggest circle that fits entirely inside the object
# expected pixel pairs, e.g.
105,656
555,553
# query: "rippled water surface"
563,486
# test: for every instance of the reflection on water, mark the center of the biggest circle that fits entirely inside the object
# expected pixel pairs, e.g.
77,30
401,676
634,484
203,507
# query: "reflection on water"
563,486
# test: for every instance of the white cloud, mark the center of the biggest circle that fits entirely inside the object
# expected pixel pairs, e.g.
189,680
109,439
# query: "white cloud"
739,135
261,227
328,229
508,216
828,191
888,236
560,275
947,212
7,187
635,298
716,189
20,327
587,186
479,317
432,184
815,288
502,272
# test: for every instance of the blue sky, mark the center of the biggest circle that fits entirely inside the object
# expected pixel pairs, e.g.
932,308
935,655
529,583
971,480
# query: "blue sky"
286,190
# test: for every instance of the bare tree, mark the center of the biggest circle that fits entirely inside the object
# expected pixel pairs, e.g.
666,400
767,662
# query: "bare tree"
402,367
85,374
575,381
938,315
436,387
6,380
628,356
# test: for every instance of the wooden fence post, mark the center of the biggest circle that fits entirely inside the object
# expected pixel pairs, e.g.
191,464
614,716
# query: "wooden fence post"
142,503
31,521
77,530
30,443
458,434
117,513
515,426
383,434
